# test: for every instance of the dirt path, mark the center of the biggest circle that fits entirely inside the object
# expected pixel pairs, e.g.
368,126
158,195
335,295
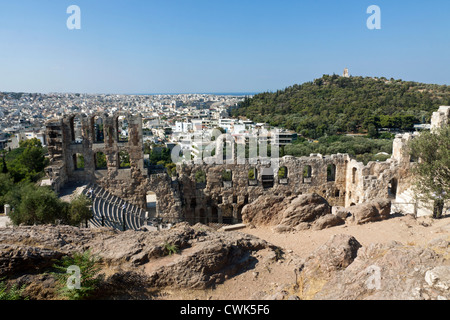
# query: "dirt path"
404,229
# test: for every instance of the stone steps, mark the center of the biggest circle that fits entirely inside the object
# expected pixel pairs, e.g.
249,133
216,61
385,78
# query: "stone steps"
112,211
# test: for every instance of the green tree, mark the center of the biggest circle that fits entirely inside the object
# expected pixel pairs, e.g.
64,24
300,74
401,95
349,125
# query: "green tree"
4,165
28,161
35,205
171,169
432,171
79,210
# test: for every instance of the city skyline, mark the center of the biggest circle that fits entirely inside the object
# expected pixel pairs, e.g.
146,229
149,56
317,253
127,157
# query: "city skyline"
216,47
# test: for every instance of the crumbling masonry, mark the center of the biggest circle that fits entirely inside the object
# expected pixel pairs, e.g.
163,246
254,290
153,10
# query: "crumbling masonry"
340,179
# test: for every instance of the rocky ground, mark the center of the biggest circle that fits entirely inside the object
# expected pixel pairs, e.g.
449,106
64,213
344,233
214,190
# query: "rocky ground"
366,256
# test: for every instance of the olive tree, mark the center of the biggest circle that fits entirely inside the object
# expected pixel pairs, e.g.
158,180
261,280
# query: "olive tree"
432,171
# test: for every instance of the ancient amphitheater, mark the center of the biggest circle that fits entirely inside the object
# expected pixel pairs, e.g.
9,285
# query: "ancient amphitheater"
120,193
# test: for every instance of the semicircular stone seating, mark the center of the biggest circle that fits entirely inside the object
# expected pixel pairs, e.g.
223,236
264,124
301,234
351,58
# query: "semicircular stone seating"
111,211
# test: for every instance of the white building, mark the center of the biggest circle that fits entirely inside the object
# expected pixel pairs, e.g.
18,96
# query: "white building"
183,126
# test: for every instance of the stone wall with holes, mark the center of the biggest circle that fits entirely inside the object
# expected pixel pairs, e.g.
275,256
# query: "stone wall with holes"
221,200
338,178
217,197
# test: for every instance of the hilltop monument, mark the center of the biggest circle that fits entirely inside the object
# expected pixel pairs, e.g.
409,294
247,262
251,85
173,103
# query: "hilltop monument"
346,74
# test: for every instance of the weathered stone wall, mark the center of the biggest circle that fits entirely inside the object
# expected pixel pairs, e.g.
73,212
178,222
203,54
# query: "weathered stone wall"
338,178
218,200
440,118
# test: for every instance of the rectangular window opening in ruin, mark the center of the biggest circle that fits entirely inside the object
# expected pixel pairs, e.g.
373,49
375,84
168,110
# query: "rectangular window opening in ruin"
307,174
76,130
267,181
78,162
124,160
331,172
227,178
122,129
100,161
283,175
252,177
98,130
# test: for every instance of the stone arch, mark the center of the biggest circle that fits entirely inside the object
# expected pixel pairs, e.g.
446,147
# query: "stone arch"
307,174
100,161
214,215
98,128
76,129
78,162
283,172
122,126
123,159
331,172
252,176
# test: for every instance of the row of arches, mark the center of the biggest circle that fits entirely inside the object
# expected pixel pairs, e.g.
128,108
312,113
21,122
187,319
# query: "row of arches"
100,161
97,127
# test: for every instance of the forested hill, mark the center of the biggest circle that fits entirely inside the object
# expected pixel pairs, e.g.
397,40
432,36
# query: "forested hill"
333,104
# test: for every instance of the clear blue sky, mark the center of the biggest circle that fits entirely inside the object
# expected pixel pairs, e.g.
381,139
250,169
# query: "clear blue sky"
216,46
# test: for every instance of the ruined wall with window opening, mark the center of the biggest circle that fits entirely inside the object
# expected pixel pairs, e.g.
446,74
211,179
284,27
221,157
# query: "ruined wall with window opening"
94,149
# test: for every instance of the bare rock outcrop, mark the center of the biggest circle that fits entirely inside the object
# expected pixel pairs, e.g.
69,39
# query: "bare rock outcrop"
327,221
285,212
200,257
29,249
375,210
343,270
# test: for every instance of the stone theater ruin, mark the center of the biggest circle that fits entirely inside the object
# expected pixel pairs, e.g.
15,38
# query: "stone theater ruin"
93,152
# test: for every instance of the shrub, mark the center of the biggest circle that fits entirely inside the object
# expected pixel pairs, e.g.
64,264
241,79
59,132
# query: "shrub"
12,293
170,248
226,175
35,205
251,174
282,173
79,210
89,268
200,177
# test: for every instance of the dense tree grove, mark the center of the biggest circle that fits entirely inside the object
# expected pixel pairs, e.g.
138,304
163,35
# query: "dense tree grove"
20,172
334,105
25,163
